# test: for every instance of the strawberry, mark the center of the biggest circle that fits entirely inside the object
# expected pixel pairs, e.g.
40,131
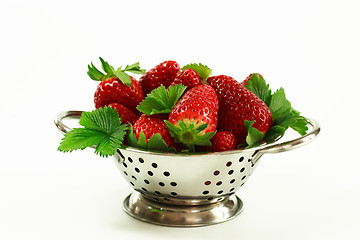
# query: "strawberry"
163,73
192,75
223,141
126,115
117,86
237,104
112,90
151,125
193,119
248,78
188,78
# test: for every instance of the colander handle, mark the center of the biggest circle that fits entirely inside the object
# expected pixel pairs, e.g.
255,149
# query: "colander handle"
66,115
294,143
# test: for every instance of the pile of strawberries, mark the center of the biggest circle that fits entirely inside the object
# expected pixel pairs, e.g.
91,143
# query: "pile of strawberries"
208,116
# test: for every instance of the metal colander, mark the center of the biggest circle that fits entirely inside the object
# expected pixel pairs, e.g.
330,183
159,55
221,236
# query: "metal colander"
189,189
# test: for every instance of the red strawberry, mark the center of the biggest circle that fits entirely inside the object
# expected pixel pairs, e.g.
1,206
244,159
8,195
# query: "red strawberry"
112,90
223,141
152,124
193,119
116,86
237,104
126,115
188,78
163,73
248,78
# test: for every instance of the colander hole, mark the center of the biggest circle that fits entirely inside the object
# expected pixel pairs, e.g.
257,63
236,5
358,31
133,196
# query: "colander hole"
242,184
124,164
137,170
144,189
249,160
220,199
219,183
162,184
243,169
220,192
174,184
166,199
173,193
243,177
228,164
125,173
132,183
231,172
241,159
157,193
154,165
205,192
207,183
150,173
130,159
217,172
146,181
232,181
141,160
134,178
210,198
166,174
232,189
156,199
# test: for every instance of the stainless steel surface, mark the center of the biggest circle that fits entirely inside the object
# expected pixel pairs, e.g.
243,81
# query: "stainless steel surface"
139,207
189,181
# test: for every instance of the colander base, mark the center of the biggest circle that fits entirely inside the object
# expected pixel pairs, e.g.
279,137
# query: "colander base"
153,212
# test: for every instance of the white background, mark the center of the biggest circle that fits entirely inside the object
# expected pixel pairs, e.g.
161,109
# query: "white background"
311,48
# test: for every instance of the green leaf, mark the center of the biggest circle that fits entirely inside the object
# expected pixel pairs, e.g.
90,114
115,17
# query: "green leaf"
258,86
94,73
102,128
106,67
123,77
274,133
254,137
188,135
175,93
131,138
135,68
161,101
202,70
157,143
279,105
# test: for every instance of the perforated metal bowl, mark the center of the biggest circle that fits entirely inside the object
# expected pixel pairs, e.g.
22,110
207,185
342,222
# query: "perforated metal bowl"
184,189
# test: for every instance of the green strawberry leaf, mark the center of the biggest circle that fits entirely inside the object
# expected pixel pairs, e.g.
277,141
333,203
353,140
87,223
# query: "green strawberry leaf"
161,101
106,67
258,86
94,73
283,115
155,143
102,128
189,135
202,70
121,74
254,137
123,77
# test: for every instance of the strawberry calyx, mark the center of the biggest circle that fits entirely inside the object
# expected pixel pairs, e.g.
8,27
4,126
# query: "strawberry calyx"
189,135
120,73
202,70
155,142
